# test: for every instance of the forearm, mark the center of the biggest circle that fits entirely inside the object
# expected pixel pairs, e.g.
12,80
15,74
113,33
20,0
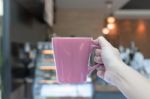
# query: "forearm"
131,83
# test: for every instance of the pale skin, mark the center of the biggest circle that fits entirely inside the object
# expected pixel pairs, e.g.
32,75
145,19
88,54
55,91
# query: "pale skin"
127,80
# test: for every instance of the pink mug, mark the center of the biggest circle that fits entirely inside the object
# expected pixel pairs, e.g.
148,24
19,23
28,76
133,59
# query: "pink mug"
72,57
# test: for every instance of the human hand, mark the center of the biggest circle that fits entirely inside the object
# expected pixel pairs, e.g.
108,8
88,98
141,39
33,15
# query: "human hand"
117,73
110,57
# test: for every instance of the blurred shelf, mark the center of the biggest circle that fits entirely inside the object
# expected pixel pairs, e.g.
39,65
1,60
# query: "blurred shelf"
18,80
105,88
47,52
47,81
42,75
48,60
47,67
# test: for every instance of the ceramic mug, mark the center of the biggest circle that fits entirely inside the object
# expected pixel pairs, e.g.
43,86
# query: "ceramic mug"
71,56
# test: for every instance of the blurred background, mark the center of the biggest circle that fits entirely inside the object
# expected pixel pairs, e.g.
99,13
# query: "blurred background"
26,57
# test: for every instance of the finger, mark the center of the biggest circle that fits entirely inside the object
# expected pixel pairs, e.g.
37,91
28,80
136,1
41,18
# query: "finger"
98,52
98,59
95,42
100,71
103,42
101,74
100,68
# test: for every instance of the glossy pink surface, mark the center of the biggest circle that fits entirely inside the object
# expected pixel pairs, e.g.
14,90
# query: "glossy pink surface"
71,57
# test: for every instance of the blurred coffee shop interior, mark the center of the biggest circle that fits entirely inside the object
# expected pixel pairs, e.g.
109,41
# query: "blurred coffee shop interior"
26,55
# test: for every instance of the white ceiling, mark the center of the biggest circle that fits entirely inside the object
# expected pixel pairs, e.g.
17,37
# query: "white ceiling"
88,4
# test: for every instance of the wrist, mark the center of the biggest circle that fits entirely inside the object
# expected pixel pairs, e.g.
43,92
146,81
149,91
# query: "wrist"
117,73
129,81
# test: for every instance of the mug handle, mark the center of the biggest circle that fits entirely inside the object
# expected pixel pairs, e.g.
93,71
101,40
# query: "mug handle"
92,68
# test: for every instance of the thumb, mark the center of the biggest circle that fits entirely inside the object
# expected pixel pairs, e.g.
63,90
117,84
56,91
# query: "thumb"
103,42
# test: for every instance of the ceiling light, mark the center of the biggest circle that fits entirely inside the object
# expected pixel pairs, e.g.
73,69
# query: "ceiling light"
105,31
111,19
111,26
